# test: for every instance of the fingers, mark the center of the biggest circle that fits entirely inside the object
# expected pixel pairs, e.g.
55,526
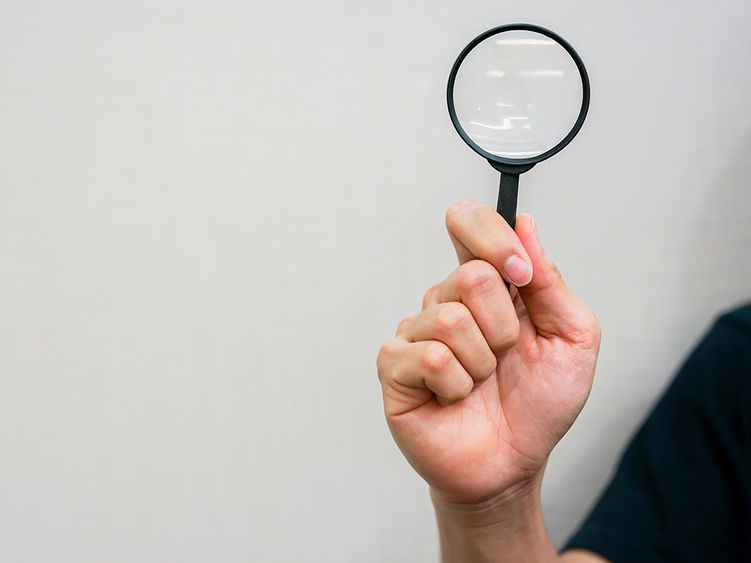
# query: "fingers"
479,286
554,309
411,372
453,325
431,296
467,321
478,231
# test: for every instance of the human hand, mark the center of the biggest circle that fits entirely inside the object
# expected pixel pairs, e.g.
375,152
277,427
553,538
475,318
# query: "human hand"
481,384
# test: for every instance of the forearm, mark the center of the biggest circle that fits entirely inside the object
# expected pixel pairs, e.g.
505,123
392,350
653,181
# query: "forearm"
507,528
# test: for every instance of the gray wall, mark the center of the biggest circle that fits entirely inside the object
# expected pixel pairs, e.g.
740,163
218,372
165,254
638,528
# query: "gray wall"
212,214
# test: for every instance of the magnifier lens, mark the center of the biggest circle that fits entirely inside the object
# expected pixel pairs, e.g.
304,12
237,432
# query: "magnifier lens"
517,94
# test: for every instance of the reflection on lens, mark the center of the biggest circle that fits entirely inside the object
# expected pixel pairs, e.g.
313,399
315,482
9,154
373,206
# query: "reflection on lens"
517,94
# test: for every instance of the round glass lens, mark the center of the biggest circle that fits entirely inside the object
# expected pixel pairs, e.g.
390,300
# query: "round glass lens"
517,94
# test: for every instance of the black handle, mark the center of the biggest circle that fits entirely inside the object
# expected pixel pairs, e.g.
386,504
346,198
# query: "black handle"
507,194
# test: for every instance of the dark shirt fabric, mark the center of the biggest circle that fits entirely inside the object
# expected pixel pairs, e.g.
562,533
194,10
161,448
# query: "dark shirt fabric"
682,490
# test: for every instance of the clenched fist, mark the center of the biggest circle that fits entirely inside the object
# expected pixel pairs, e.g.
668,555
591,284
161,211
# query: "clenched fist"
481,384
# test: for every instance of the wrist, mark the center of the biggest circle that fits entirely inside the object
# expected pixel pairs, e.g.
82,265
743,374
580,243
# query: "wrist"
507,527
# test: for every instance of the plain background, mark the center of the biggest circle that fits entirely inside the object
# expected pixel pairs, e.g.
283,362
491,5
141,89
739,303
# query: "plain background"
213,213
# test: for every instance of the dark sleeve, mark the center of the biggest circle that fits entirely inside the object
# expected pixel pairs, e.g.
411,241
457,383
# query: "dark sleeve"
682,490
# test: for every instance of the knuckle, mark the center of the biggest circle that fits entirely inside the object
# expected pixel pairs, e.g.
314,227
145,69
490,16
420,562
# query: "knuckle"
554,273
386,355
475,275
450,315
452,215
587,332
552,277
430,295
436,357
404,324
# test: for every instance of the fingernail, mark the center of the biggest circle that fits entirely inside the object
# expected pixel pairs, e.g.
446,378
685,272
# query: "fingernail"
517,271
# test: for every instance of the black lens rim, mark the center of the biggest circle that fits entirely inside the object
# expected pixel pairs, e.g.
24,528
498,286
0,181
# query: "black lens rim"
582,112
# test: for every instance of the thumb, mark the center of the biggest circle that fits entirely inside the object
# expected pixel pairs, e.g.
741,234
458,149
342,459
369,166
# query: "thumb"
553,308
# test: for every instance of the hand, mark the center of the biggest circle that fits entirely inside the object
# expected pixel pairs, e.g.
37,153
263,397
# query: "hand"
480,386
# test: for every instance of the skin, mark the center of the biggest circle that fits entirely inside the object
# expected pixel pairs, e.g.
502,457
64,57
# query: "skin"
480,385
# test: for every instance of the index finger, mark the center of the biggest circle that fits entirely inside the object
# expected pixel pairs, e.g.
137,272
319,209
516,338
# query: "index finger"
478,231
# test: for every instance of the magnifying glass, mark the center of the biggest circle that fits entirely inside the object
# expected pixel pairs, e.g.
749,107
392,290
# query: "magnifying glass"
517,94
